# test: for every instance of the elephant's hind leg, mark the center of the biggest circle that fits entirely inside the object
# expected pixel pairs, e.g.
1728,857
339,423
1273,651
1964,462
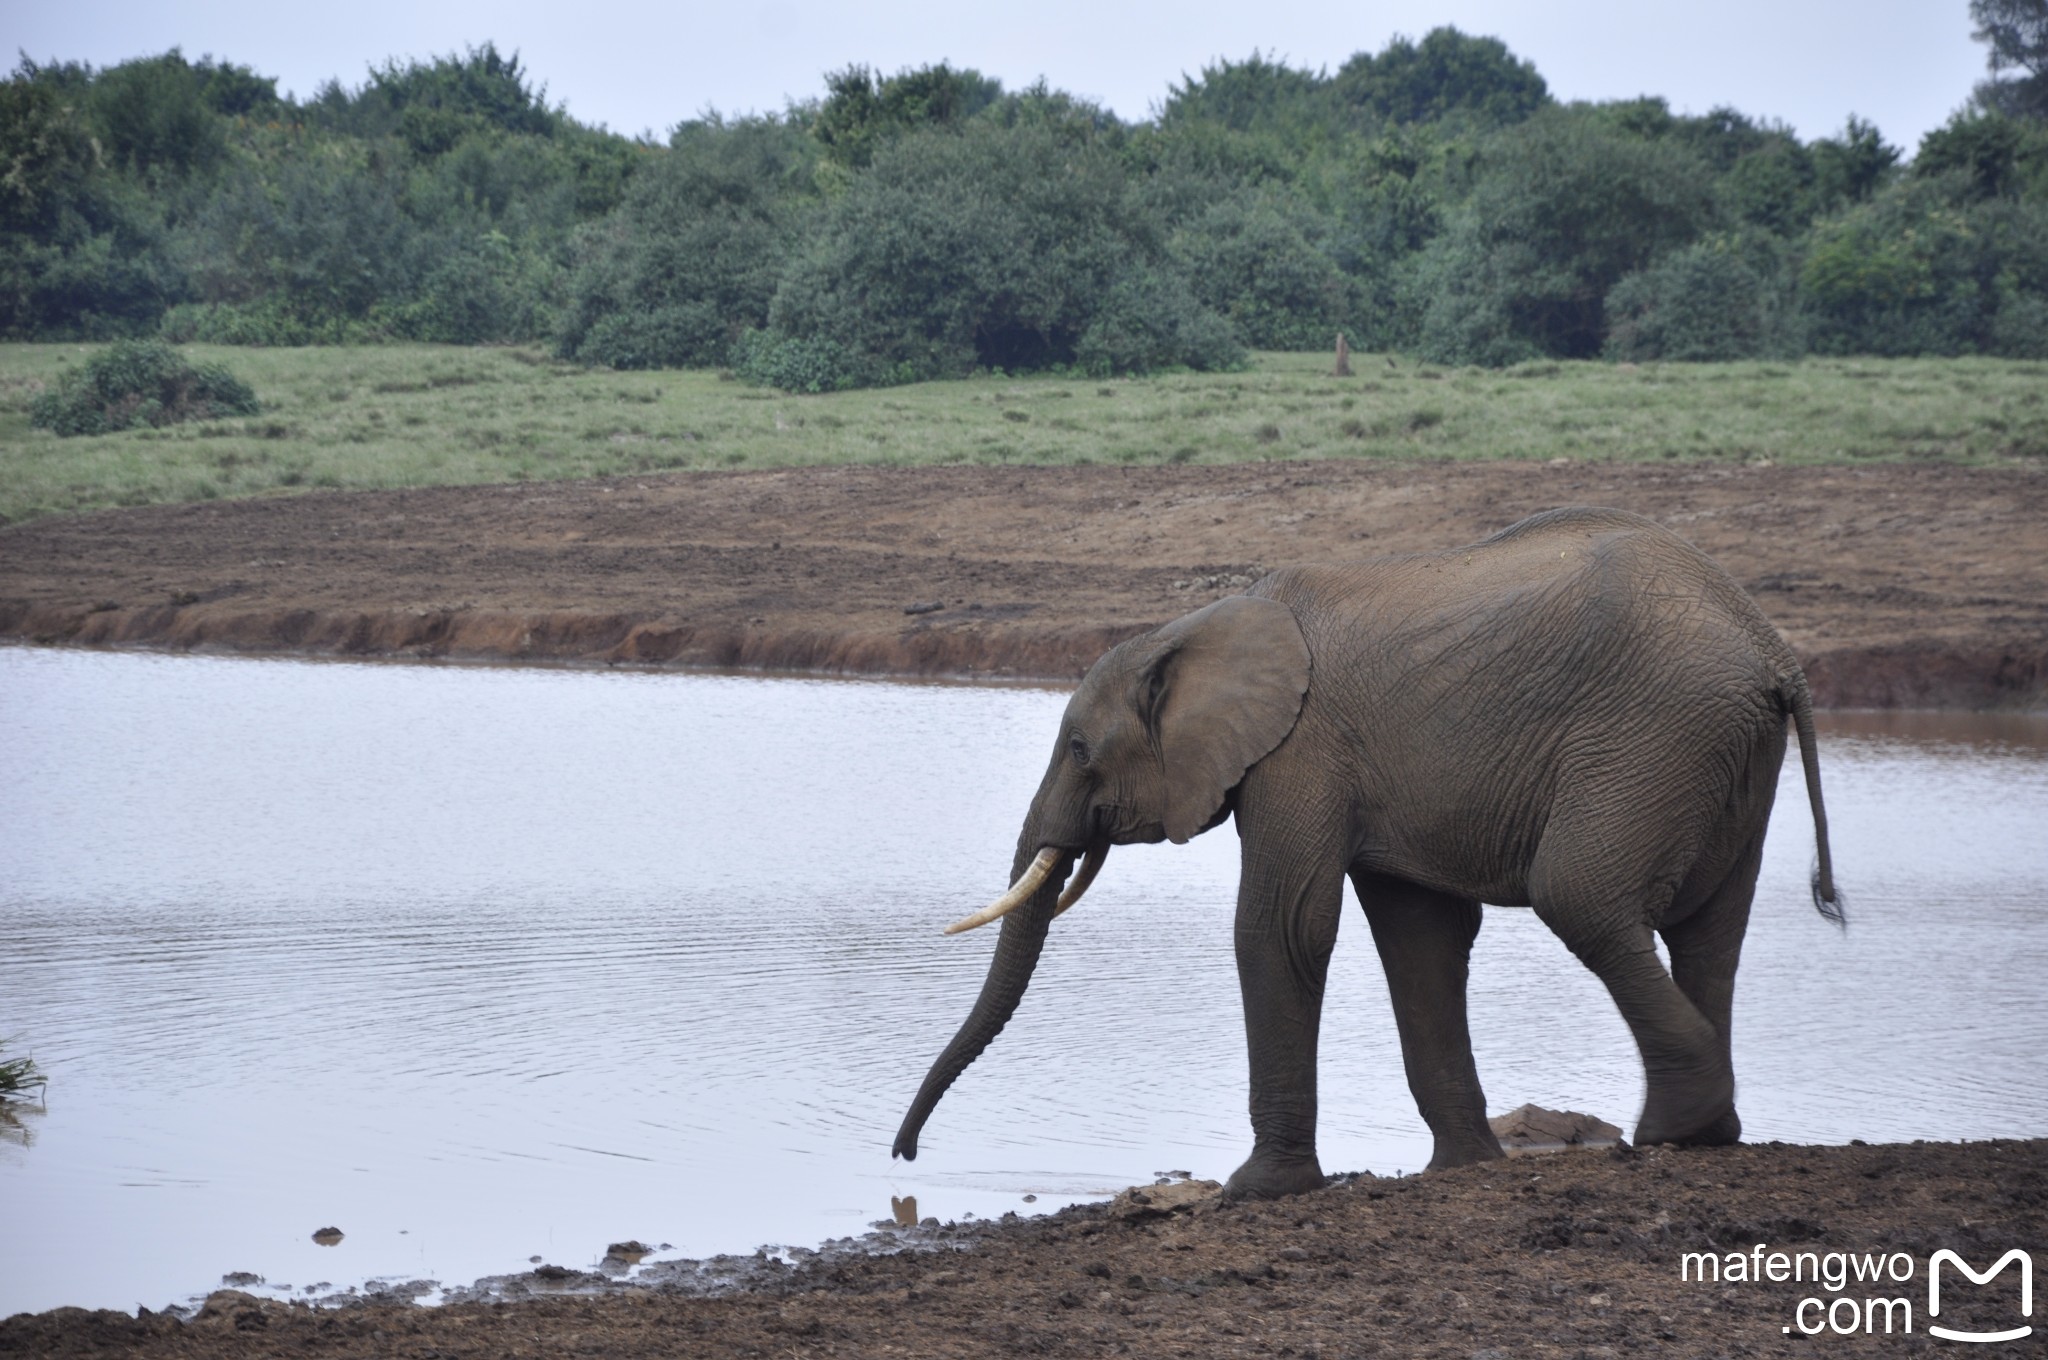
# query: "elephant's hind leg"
1425,944
1689,1092
1705,947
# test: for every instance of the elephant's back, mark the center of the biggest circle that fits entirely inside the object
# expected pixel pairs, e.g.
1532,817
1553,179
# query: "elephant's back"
1558,599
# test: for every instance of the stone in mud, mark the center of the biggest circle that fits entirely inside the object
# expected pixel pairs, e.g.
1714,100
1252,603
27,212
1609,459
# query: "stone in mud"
231,1309
1157,1201
1532,1126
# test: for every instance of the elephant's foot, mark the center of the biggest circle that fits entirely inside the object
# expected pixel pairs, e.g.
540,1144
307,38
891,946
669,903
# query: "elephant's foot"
1465,1149
1704,1120
1269,1177
1722,1132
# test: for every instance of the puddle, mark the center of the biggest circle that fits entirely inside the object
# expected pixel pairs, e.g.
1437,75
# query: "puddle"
483,965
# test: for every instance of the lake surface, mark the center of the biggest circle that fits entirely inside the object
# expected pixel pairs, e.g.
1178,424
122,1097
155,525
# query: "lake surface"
480,965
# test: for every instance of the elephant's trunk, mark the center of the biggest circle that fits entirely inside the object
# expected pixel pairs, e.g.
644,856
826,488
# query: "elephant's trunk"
1009,973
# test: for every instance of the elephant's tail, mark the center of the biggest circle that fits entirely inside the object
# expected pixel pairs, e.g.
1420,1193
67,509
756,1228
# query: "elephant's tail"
1826,900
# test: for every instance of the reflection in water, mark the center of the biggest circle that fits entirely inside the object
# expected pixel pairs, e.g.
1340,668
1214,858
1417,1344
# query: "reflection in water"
904,1210
491,964
13,1127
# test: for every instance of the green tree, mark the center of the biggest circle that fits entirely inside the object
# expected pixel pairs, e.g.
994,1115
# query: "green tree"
1565,207
1446,73
1853,166
2017,33
691,259
1253,95
862,110
1993,155
1704,302
1256,261
152,116
991,247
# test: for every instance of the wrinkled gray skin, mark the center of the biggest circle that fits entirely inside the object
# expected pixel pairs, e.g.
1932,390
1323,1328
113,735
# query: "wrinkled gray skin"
1582,714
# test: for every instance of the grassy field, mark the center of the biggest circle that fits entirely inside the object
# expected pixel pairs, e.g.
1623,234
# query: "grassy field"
427,415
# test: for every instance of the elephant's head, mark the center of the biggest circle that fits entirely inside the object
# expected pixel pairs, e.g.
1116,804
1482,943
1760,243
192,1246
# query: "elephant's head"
1160,731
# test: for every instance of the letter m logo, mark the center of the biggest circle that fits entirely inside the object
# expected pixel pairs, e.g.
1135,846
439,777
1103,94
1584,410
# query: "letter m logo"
2026,1264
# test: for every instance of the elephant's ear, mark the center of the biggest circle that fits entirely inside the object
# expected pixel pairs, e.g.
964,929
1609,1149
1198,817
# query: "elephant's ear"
1221,689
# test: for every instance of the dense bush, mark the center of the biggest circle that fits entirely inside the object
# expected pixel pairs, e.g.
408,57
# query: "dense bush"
1430,196
1447,73
1923,271
1701,303
1253,261
1564,208
139,382
690,261
992,248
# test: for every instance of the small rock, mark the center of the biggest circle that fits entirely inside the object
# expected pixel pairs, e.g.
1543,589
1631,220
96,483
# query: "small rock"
241,1279
1157,1201
1292,1254
1532,1126
328,1237
925,607
1031,1199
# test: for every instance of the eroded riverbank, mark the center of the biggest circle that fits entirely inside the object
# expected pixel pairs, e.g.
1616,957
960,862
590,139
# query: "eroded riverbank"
1577,1254
1910,586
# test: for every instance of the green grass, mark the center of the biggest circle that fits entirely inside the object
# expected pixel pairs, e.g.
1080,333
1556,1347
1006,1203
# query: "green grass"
18,1074
422,415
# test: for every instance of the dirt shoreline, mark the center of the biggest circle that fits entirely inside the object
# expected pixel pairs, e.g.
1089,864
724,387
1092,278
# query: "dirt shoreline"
1900,585
1578,1254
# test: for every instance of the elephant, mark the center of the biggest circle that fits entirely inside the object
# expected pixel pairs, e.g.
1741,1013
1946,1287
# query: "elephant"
1582,714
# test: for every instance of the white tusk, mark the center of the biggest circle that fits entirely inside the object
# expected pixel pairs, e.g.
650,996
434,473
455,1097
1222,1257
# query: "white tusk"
1020,892
1090,867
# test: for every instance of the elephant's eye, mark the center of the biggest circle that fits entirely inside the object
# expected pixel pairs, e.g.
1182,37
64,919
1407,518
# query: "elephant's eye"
1078,749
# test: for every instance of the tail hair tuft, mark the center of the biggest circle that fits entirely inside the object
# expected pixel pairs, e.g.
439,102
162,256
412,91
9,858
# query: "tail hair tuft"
1827,898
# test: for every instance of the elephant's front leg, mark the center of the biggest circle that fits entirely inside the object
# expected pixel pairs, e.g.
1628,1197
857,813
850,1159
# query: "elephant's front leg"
1425,942
1287,906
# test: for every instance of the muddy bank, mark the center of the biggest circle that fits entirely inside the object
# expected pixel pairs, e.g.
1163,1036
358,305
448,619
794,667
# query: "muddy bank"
1901,586
1573,1254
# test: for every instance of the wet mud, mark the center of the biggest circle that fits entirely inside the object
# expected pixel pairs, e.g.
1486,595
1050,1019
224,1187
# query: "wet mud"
1578,1253
1901,586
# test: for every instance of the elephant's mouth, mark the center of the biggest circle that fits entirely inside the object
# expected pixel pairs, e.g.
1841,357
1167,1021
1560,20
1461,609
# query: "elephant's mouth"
1033,878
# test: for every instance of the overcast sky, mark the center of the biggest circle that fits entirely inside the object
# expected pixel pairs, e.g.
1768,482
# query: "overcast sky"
639,66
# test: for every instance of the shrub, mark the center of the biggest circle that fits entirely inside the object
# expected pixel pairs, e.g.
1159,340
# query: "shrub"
1701,303
803,364
1902,274
688,263
1254,262
1565,207
1447,72
989,248
140,382
1152,320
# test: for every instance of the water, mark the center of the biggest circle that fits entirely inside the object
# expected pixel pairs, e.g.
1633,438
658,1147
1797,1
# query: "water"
479,965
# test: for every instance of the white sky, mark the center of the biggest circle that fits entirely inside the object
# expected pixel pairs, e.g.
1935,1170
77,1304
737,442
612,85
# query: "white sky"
637,65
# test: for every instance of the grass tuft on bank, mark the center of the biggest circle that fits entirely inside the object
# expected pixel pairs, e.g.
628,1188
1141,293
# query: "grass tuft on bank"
18,1074
424,415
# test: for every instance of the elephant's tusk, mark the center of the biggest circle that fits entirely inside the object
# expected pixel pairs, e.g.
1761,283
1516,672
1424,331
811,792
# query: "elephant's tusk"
1091,865
1020,892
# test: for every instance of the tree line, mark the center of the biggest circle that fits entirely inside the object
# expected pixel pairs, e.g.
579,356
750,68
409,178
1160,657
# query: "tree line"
1432,198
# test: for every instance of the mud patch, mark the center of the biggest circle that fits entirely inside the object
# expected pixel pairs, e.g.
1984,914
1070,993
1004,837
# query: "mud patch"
1900,586
1561,1256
